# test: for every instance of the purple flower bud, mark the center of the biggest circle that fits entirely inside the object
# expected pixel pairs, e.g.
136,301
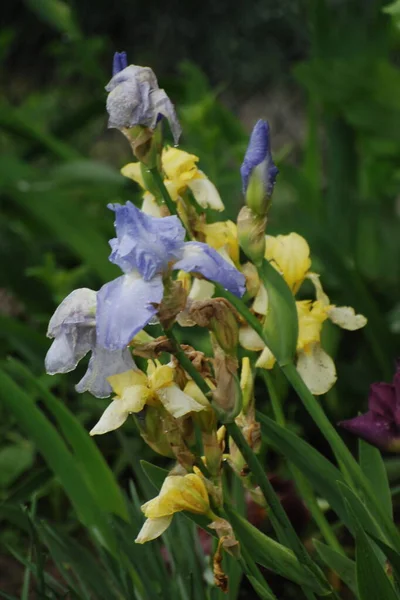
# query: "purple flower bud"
120,62
380,426
259,153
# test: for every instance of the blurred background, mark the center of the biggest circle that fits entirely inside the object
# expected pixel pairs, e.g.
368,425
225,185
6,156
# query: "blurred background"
325,73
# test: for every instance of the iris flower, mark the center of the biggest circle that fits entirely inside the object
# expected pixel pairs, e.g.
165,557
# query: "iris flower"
73,328
181,173
135,99
135,389
380,426
290,255
146,249
178,492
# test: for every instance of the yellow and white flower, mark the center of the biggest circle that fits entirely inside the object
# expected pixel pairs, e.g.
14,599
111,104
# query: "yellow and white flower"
134,389
181,173
290,255
178,492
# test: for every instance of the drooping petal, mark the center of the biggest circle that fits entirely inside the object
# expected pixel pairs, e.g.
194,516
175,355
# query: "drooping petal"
382,399
290,254
104,363
206,194
317,369
152,529
124,307
201,258
259,153
68,348
77,309
346,318
120,381
176,402
143,242
112,418
250,340
374,429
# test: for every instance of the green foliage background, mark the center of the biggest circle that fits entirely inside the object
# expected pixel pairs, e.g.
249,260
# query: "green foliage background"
59,167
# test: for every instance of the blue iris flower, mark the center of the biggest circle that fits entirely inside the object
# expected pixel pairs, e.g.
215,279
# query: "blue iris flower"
259,153
120,62
145,249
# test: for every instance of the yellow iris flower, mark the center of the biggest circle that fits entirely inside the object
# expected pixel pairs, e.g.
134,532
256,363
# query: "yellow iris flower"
181,173
290,255
134,389
178,492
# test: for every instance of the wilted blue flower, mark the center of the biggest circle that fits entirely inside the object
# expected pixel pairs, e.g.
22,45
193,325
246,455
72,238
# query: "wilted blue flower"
145,249
258,154
135,99
73,327
380,426
120,62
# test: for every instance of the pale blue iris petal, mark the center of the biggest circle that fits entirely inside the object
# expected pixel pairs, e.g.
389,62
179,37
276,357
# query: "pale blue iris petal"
144,242
68,348
201,258
77,309
124,307
104,363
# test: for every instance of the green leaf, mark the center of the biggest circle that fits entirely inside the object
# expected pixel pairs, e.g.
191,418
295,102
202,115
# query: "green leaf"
260,590
57,456
14,460
344,567
56,13
88,457
373,467
364,516
392,556
272,555
320,472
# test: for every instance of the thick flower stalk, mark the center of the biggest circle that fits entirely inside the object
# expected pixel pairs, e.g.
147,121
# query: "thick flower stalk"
380,425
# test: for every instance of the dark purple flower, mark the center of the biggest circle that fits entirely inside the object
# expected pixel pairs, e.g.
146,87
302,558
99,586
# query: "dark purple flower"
380,426
259,153
120,62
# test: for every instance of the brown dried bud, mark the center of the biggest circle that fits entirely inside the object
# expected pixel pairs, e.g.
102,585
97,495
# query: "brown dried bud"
219,316
173,302
152,349
227,395
146,144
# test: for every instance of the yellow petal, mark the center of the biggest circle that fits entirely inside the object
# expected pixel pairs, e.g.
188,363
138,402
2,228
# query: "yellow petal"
250,340
133,171
260,304
192,390
174,188
205,193
223,234
150,206
178,493
162,376
311,316
317,369
178,162
345,317
290,254
266,360
126,379
201,289
152,529
113,417
321,296
135,397
176,402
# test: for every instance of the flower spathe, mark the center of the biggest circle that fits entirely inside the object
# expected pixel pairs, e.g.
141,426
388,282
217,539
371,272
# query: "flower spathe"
380,426
258,156
178,492
134,389
73,328
146,249
181,173
290,255
135,99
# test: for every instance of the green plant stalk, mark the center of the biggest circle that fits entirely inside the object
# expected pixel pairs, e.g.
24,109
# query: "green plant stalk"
347,463
279,519
301,482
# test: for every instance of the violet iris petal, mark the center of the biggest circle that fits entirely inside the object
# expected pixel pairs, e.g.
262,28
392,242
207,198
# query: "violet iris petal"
104,363
201,258
259,153
120,62
124,307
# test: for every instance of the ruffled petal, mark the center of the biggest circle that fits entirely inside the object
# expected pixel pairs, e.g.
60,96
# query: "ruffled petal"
124,307
317,369
346,318
68,349
113,417
153,528
104,363
206,194
201,258
77,309
176,402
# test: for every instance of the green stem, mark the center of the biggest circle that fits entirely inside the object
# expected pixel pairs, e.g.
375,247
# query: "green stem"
301,482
